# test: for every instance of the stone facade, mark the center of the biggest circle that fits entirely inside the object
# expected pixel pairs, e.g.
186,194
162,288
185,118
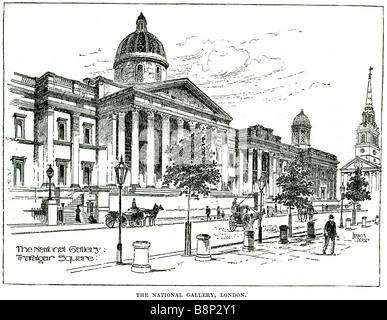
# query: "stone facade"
83,128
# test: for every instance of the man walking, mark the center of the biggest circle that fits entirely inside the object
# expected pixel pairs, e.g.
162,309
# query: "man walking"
330,234
208,213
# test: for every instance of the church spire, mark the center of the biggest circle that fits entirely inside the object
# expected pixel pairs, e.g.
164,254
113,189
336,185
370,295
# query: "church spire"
369,90
368,116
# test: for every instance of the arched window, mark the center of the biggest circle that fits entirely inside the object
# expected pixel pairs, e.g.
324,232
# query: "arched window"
158,73
362,138
140,73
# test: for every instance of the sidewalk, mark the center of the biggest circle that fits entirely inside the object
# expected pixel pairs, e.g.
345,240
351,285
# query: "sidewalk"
299,262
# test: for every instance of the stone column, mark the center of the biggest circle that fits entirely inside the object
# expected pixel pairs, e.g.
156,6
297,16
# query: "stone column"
180,129
150,161
213,138
241,167
225,157
121,135
75,150
50,137
259,163
250,169
192,126
135,148
275,174
166,129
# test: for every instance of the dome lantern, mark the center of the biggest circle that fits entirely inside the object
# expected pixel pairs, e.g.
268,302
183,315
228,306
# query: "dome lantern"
301,128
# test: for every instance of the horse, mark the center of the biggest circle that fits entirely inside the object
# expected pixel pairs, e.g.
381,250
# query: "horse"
151,214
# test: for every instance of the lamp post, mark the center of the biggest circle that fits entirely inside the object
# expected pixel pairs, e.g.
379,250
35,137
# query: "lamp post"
261,186
50,174
342,193
121,172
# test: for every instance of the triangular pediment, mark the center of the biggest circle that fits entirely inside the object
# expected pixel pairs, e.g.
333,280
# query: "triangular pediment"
187,93
365,165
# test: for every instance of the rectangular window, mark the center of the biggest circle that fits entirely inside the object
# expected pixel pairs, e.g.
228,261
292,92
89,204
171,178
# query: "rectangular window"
62,129
87,133
18,170
87,168
19,122
62,174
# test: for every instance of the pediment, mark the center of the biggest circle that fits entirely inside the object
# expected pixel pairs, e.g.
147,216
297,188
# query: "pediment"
365,164
188,94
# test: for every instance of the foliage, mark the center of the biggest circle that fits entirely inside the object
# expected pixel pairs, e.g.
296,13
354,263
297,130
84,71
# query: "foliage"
356,187
192,169
295,184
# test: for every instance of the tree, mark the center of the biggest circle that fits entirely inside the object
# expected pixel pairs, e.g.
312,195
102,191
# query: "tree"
295,186
192,171
356,190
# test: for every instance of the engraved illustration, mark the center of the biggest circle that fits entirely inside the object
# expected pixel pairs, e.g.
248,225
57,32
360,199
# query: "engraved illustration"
192,146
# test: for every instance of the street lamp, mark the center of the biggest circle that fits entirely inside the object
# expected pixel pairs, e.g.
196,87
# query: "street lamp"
121,172
50,174
342,193
261,186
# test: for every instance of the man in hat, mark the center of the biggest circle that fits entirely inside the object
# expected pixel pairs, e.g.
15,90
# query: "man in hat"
330,234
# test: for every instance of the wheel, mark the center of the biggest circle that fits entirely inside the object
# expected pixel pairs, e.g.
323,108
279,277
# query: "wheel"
110,221
131,223
124,222
232,224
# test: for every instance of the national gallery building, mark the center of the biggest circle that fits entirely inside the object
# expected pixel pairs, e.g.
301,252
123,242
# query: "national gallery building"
82,128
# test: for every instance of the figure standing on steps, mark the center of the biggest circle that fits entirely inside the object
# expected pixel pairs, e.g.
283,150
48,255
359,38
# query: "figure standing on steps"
77,214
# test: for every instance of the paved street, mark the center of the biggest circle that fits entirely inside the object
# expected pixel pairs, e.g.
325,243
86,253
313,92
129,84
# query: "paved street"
300,262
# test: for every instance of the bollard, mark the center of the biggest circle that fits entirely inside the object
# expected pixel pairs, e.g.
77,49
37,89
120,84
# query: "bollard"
52,214
203,248
377,220
348,224
310,229
364,222
248,240
141,257
283,234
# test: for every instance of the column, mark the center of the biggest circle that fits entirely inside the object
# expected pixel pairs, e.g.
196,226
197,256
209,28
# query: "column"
180,129
166,129
192,126
275,175
225,157
75,150
150,150
241,167
121,135
135,148
213,138
250,169
259,163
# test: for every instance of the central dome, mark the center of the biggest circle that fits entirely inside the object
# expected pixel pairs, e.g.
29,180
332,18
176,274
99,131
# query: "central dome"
140,48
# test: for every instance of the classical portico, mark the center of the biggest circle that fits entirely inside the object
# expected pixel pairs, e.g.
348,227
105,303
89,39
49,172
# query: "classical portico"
142,122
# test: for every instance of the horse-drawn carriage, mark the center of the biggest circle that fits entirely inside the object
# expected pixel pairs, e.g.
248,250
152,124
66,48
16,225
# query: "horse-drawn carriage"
133,217
242,216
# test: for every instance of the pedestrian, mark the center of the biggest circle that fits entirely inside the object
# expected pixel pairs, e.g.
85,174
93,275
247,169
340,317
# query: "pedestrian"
330,234
77,214
218,212
322,207
208,213
222,214
134,205
326,207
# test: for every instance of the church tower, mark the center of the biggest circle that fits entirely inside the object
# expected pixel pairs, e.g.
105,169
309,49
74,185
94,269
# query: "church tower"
140,57
367,133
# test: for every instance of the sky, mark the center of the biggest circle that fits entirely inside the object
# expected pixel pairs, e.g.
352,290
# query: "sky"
261,63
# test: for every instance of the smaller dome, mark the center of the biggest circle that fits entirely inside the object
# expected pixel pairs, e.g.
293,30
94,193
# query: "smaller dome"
301,120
